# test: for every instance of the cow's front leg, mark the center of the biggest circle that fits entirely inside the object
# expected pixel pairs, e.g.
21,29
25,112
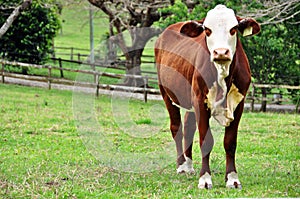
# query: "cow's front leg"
206,145
230,143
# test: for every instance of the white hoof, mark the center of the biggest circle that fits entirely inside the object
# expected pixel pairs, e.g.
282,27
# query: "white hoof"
233,181
205,181
186,167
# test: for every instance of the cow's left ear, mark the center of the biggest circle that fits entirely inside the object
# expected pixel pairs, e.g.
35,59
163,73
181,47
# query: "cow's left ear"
192,29
248,26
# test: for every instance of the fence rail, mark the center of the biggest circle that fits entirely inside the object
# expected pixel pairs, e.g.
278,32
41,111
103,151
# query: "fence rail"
78,54
50,79
276,86
73,52
273,97
96,83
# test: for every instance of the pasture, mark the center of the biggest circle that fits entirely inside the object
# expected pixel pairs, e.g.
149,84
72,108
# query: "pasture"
45,153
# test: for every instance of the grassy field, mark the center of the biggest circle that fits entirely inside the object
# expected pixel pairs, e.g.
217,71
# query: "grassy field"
62,144
75,26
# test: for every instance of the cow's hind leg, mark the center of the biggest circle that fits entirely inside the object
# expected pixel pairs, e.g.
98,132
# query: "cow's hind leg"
175,127
189,132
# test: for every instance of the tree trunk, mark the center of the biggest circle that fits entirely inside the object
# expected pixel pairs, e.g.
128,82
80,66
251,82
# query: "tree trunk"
133,68
133,53
263,107
139,37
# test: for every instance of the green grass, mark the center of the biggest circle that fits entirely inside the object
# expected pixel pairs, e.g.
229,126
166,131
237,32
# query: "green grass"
51,146
75,26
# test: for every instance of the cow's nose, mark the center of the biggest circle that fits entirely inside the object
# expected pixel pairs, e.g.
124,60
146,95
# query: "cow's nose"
221,54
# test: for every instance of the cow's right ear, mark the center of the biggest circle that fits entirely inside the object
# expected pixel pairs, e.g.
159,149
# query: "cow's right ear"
192,29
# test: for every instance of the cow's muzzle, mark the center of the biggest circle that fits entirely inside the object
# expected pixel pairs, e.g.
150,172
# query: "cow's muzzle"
221,55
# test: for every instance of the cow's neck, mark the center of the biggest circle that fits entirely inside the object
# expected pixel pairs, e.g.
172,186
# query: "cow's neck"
220,101
222,73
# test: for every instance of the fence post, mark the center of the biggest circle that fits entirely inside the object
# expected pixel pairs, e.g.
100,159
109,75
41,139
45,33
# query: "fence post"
252,98
145,88
97,85
61,68
78,57
72,50
49,77
2,72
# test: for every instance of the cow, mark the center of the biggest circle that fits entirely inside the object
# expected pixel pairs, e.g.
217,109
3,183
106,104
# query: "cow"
203,69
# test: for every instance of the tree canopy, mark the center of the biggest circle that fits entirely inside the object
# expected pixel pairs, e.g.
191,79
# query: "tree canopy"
30,37
13,16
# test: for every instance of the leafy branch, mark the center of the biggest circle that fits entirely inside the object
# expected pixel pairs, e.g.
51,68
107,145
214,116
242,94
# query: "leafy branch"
13,16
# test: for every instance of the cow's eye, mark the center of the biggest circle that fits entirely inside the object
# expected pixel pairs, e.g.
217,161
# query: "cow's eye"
207,31
233,31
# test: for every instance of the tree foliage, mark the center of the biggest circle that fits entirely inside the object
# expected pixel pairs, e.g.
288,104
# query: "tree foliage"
13,16
30,37
274,54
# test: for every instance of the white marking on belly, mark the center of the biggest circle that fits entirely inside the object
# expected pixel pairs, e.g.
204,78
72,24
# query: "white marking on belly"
186,167
205,181
233,181
188,110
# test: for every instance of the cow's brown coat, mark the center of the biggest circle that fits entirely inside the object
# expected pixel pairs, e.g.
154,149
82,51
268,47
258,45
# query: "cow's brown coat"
185,75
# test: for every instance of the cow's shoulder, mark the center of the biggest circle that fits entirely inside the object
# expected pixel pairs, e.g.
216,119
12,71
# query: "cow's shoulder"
176,27
172,38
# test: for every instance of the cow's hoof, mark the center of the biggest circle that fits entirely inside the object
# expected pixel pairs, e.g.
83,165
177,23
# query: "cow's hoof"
205,181
233,181
186,167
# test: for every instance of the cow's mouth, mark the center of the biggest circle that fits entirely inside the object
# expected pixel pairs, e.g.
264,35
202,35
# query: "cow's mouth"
222,61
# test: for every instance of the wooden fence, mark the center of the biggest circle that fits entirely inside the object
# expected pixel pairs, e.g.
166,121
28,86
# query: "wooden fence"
276,97
95,84
253,96
75,54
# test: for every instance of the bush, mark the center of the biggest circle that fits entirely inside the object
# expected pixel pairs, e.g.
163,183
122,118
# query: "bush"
30,37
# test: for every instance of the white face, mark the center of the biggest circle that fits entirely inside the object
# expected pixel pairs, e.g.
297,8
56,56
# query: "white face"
221,36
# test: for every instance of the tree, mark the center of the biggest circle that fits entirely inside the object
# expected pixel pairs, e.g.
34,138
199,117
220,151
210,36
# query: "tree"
136,17
30,37
275,12
275,52
13,16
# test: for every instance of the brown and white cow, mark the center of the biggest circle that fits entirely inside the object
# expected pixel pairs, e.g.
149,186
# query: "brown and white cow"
203,68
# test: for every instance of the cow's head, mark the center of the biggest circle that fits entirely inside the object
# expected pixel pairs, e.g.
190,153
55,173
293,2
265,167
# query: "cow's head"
221,26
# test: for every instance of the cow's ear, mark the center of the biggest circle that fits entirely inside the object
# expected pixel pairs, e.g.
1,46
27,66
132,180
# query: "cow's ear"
248,26
192,29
